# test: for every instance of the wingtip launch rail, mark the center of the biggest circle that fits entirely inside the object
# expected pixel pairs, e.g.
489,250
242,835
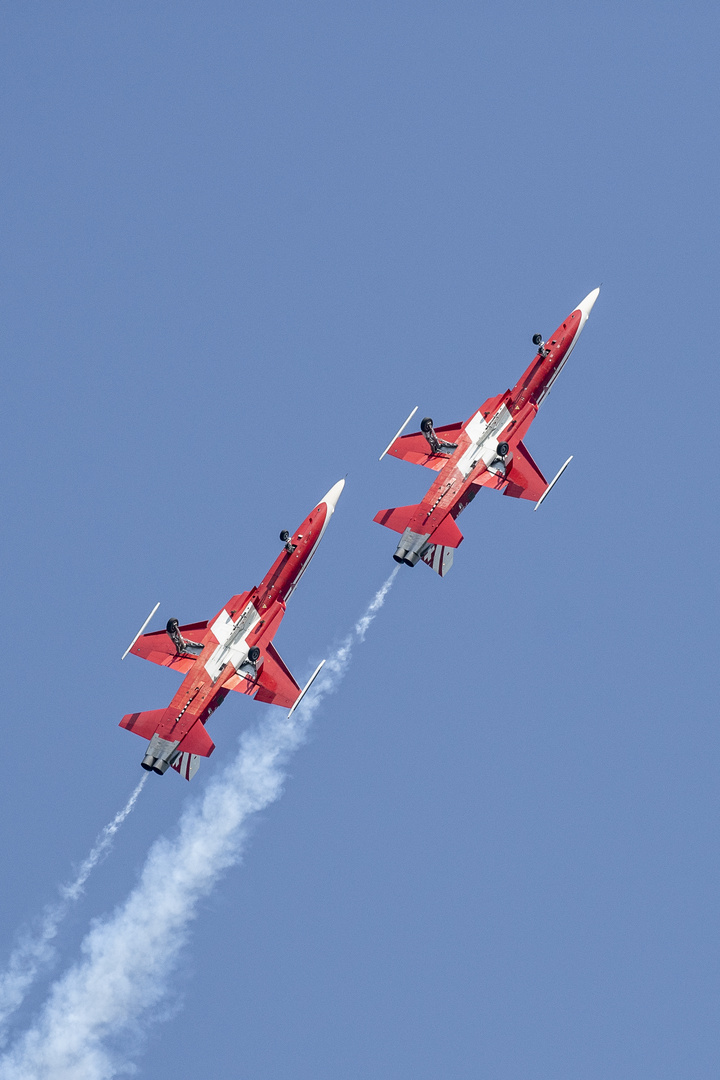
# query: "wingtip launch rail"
399,433
552,484
140,630
307,686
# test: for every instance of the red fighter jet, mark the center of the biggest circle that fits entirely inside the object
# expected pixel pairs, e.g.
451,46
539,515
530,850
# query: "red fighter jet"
233,651
485,451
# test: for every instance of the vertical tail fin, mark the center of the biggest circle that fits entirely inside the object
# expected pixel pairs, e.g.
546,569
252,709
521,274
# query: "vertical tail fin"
186,765
439,558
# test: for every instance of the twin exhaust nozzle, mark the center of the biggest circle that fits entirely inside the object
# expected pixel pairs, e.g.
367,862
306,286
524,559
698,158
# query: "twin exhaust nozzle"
160,755
156,765
407,558
411,547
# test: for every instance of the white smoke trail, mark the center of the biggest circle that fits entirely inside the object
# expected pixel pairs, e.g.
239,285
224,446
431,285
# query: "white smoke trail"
129,956
362,625
35,950
73,890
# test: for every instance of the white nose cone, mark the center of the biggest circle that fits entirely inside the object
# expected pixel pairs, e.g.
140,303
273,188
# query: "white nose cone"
333,495
585,306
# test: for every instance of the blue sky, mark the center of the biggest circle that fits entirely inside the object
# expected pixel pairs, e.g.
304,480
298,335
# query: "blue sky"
239,244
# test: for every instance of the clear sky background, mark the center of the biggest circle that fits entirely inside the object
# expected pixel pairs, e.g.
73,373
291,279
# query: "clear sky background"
239,243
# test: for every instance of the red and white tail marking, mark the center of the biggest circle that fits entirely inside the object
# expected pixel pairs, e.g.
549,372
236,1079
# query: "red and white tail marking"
187,765
439,558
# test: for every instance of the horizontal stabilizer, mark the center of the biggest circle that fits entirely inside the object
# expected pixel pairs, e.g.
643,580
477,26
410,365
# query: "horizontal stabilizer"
197,741
396,519
438,558
144,724
447,533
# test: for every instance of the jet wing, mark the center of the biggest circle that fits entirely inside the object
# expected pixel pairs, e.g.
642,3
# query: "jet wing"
415,447
525,481
159,648
275,685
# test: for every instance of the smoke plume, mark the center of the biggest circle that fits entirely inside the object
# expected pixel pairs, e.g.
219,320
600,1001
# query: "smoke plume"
35,949
128,957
